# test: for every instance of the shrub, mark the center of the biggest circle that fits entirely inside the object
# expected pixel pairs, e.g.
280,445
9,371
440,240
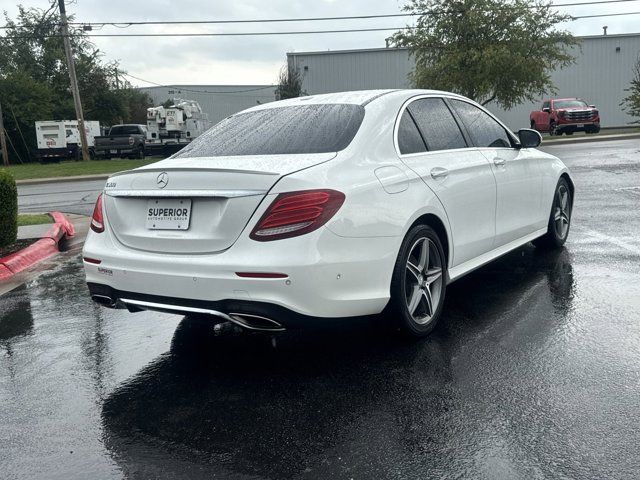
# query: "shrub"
8,209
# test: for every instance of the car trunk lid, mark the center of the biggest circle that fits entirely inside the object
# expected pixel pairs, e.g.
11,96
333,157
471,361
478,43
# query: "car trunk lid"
220,193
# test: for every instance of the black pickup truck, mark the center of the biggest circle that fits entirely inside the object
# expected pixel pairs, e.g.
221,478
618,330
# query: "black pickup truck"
122,141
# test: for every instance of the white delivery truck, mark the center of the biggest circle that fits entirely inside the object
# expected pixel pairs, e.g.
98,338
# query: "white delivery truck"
170,129
60,139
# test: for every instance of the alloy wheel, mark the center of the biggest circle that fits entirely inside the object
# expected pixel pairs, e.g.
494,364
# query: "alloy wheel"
423,284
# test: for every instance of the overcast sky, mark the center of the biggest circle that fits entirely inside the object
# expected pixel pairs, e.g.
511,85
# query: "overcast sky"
256,60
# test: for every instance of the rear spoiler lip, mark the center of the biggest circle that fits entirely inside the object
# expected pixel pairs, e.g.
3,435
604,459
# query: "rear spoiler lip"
184,193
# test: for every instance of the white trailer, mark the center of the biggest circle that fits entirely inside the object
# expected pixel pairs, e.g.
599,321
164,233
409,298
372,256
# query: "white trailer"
169,129
60,139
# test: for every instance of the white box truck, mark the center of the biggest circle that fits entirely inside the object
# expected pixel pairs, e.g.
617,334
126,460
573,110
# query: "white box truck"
60,139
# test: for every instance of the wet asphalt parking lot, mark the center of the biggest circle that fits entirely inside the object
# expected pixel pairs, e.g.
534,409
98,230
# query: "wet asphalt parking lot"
533,372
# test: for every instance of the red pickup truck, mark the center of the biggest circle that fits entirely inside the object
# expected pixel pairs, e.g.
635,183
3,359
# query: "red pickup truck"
566,115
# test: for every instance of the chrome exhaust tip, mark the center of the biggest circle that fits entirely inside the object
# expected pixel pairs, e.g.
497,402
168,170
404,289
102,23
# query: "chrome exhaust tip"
104,300
256,322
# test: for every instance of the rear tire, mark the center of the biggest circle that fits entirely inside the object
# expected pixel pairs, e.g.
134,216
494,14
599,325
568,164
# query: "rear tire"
568,133
559,218
418,283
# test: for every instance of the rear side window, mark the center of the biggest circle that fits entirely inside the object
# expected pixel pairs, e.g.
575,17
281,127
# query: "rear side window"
439,129
290,130
483,129
409,139
546,104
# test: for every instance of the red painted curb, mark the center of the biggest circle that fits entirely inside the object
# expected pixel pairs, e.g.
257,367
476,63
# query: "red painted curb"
38,251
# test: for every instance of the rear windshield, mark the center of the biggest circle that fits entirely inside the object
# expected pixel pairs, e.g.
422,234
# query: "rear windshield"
279,131
125,130
570,104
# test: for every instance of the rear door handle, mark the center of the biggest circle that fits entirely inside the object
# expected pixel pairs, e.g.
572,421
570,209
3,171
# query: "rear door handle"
439,172
499,161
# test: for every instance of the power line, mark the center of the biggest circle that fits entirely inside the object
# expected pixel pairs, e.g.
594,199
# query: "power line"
126,24
196,91
310,19
223,34
247,34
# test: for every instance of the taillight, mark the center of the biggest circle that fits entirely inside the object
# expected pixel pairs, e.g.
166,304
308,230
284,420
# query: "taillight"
296,213
97,219
131,140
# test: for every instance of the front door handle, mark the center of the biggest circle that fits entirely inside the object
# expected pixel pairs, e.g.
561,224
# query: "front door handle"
439,172
499,161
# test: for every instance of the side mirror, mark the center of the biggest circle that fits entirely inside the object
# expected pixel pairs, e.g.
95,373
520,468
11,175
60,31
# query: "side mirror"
529,138
592,106
546,110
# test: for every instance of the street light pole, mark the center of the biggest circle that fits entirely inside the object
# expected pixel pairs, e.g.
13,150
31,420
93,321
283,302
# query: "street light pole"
3,141
74,80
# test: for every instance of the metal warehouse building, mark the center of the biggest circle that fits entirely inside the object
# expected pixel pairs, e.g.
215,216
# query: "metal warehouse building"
219,101
602,71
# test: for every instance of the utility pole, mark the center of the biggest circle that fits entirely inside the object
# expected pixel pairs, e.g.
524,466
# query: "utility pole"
74,80
3,141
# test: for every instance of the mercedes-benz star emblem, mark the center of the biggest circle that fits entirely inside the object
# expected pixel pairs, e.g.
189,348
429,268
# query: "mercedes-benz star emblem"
162,180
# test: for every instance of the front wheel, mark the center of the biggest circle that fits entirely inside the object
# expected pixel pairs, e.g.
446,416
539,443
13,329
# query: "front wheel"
418,282
559,218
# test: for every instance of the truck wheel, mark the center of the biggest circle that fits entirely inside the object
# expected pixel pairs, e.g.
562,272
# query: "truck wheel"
568,133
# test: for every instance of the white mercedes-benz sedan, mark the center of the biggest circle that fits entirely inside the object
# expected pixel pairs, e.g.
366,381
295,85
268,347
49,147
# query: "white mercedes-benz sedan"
327,206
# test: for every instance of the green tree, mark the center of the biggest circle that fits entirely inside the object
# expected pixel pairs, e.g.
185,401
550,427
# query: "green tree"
289,83
631,103
487,50
34,80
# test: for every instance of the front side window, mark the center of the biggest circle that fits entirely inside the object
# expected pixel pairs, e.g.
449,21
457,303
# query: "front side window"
299,129
482,128
409,138
437,125
546,104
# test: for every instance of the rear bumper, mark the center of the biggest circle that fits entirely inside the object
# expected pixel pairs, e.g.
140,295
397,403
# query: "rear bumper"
115,150
327,276
252,315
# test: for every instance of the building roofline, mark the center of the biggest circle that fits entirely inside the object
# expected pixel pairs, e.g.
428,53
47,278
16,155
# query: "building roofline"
207,86
384,49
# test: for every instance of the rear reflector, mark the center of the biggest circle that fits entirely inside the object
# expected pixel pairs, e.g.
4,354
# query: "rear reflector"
92,260
296,213
97,220
261,275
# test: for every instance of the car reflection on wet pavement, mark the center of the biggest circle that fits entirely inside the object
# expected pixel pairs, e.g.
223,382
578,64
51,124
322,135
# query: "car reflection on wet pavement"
533,372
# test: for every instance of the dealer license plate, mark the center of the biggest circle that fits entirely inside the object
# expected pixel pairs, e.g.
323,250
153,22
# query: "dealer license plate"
113,151
580,125
168,214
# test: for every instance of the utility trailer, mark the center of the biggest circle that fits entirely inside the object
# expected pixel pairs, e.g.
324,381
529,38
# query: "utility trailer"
60,139
171,128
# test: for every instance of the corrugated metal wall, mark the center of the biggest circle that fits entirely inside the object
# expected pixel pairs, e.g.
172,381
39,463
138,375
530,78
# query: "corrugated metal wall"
602,71
219,101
